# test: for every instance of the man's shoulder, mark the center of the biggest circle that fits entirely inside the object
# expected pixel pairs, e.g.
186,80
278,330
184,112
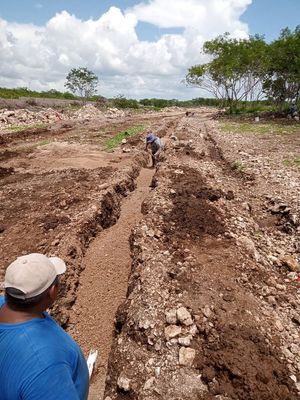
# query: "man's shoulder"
49,345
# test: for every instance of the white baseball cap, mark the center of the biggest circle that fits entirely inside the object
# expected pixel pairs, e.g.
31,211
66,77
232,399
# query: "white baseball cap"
33,273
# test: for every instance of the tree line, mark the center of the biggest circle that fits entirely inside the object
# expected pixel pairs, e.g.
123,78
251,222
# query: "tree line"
119,101
239,73
250,69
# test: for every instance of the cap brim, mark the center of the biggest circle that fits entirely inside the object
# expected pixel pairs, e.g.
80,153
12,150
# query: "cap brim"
59,265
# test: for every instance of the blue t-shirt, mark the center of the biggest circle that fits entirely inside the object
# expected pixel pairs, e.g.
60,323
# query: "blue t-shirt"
39,360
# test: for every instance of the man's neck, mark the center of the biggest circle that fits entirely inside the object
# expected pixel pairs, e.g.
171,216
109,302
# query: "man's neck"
10,316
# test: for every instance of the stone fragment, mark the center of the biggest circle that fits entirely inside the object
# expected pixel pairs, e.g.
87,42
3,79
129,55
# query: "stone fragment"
193,330
171,317
290,262
184,317
206,311
172,331
185,341
272,300
149,383
150,233
248,245
287,353
186,356
144,324
266,291
280,287
279,325
123,383
294,348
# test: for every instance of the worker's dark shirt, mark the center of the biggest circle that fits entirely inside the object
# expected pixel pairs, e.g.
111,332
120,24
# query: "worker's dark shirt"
155,145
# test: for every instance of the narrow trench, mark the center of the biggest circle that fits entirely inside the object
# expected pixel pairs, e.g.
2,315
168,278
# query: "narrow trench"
103,283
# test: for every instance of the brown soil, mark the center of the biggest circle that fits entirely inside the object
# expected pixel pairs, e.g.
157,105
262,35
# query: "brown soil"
103,283
141,243
197,248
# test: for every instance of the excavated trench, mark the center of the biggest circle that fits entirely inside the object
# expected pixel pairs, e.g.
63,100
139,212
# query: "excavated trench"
105,267
103,283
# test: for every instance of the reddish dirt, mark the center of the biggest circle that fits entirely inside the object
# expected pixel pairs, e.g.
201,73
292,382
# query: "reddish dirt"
103,283
220,242
193,212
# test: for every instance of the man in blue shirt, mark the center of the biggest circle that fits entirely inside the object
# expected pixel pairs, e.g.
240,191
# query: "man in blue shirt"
155,144
38,359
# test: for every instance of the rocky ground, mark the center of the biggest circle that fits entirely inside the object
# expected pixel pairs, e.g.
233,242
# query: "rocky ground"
213,303
212,306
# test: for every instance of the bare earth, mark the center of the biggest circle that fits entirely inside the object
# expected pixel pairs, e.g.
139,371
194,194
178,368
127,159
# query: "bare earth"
209,241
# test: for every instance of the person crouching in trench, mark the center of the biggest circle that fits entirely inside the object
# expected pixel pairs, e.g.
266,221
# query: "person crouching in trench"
156,146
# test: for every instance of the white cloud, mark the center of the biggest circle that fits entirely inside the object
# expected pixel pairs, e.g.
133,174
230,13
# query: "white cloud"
207,17
41,57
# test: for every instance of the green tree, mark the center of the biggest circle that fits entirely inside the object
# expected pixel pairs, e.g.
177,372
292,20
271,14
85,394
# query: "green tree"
236,70
282,82
81,81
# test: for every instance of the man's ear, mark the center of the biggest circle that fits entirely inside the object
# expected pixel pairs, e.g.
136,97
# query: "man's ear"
53,292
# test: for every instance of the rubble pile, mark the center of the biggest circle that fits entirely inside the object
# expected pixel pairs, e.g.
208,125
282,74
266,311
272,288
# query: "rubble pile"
88,112
23,117
115,113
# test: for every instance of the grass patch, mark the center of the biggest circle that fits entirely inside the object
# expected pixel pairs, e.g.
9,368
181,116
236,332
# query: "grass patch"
260,129
113,142
294,162
74,107
20,128
238,166
32,146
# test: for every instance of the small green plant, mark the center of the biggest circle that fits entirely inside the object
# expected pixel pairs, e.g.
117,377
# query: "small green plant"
117,139
292,162
238,166
20,128
258,234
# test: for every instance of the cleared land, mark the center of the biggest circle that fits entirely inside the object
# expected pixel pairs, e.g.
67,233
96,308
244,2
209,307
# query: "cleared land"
209,242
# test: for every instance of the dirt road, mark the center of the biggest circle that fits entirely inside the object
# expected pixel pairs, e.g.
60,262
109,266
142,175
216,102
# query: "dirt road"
211,309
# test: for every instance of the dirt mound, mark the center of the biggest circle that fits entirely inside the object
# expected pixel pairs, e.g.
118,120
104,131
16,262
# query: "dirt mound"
193,212
228,364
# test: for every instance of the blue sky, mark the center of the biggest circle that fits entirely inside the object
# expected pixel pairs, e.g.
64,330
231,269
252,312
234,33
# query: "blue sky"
270,16
138,48
266,17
